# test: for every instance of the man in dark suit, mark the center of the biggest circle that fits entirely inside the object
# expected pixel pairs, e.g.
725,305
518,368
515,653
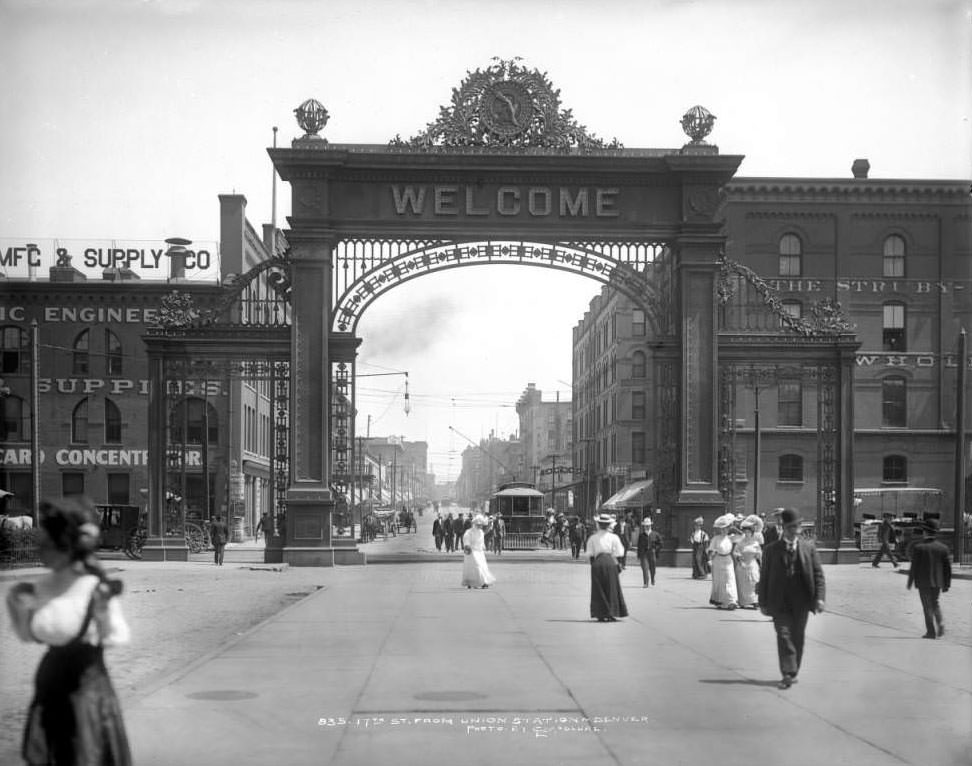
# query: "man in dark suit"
931,571
218,535
791,585
887,538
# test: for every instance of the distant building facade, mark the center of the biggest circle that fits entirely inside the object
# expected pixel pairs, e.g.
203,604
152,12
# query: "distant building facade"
896,255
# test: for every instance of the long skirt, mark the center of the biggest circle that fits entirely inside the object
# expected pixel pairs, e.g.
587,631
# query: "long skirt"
475,570
75,717
747,578
607,601
723,582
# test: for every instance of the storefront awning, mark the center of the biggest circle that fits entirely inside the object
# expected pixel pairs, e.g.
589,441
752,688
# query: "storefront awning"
634,495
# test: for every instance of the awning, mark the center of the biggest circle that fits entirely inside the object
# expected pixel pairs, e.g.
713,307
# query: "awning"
634,495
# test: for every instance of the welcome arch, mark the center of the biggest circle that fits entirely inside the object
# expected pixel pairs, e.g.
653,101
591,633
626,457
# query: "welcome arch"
505,176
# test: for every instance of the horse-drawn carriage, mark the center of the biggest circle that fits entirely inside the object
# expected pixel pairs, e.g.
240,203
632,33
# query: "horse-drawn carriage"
123,527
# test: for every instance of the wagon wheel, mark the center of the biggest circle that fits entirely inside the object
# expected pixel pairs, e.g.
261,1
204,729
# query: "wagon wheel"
196,538
134,542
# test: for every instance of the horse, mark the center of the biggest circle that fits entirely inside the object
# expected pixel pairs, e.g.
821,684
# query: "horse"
16,522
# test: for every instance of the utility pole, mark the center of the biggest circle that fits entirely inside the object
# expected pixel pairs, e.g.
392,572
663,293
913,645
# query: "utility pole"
959,518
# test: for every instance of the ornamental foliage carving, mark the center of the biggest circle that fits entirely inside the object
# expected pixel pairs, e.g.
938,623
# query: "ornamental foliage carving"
505,107
823,318
258,298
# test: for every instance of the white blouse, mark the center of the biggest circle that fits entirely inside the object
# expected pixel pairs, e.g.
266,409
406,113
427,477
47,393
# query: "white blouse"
54,617
604,541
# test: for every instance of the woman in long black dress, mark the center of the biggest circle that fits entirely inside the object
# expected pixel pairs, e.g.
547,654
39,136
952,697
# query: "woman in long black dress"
604,548
74,717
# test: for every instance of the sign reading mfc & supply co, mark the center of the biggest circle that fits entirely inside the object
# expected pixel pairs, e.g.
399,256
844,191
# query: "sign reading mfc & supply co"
22,258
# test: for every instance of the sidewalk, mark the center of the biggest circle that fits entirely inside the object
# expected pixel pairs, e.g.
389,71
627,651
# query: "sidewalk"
398,664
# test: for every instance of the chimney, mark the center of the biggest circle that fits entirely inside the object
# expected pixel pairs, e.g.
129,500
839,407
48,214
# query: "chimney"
860,168
177,257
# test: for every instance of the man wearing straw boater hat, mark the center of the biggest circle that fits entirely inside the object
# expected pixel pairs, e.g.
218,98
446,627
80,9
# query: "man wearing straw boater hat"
791,585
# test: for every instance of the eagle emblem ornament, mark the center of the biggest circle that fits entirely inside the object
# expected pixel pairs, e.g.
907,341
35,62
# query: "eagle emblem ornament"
505,107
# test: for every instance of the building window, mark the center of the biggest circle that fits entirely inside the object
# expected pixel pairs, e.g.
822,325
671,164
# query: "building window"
894,394
637,405
119,488
790,468
893,336
113,423
637,447
14,350
638,364
895,469
191,419
20,483
14,423
72,483
638,323
79,423
113,354
791,256
80,364
790,403
793,309
894,256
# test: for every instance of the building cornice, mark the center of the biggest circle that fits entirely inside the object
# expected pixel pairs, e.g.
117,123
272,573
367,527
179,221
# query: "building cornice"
847,190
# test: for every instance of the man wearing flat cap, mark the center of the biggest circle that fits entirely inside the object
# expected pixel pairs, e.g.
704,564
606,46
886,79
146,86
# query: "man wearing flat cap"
791,585
931,571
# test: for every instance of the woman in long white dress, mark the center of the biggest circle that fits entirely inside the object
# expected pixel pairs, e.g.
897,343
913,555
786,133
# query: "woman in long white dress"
747,555
724,595
475,570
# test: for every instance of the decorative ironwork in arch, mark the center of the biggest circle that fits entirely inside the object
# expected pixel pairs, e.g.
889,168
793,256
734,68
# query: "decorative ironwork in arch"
258,298
506,107
366,269
749,305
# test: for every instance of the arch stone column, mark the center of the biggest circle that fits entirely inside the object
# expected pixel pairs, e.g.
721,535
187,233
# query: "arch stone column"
310,500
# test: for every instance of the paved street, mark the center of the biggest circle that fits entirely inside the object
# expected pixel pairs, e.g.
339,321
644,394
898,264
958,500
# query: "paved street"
396,663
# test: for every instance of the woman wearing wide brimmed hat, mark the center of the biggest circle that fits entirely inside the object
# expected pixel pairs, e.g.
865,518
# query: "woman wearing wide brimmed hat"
605,550
720,560
747,555
475,570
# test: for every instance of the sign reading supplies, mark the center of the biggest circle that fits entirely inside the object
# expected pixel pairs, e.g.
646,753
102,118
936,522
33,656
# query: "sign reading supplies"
24,258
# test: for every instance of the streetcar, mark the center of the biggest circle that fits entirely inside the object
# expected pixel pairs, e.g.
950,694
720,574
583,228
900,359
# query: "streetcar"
521,506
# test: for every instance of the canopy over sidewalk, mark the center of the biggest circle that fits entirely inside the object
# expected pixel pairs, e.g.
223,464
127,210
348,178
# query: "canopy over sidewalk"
637,494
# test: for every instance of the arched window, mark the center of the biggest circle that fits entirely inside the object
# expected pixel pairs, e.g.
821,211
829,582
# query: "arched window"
894,330
79,423
791,256
894,399
638,364
790,468
191,419
14,419
14,350
113,354
113,423
80,365
894,256
895,469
